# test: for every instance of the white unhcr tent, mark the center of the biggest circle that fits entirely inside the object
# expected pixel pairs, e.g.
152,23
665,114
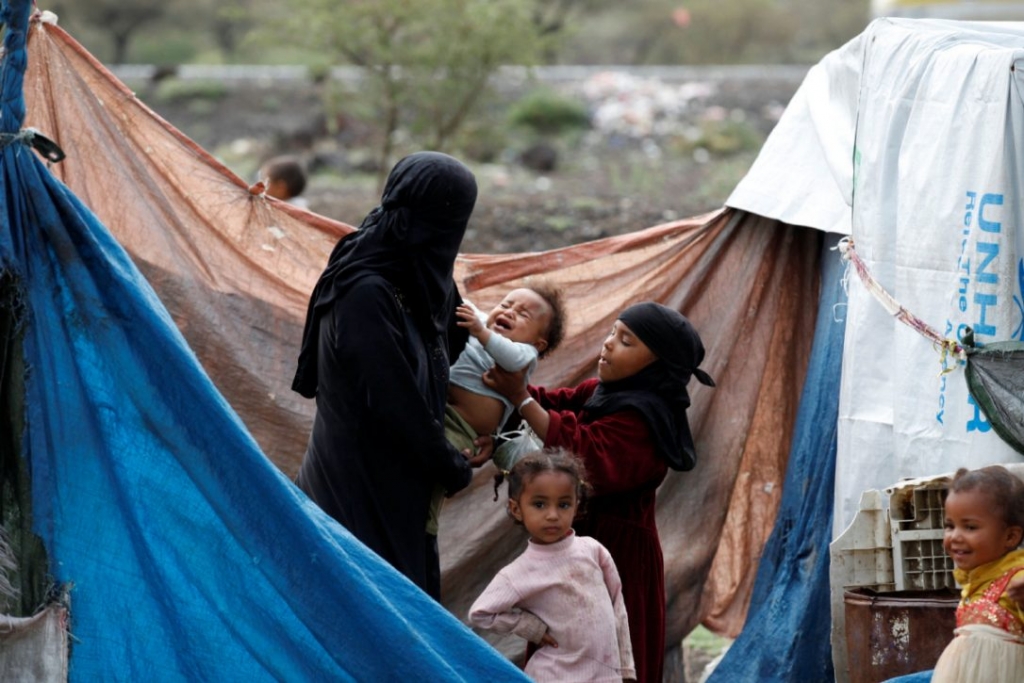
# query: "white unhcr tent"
910,140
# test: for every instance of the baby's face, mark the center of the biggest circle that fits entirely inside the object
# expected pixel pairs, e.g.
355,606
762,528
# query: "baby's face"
522,316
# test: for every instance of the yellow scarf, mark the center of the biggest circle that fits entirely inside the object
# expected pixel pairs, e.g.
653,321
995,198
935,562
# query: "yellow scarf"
974,582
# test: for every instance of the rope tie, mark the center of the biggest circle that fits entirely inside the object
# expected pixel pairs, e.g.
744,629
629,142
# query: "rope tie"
949,349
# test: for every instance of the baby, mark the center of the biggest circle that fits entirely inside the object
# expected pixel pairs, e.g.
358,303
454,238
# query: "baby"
526,325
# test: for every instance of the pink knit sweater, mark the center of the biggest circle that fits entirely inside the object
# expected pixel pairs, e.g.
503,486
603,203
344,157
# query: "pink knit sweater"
571,590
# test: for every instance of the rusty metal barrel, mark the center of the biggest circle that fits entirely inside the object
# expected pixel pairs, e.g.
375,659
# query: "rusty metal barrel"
896,633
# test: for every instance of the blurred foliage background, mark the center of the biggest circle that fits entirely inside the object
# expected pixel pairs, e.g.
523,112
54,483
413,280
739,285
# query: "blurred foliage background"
559,161
426,65
608,32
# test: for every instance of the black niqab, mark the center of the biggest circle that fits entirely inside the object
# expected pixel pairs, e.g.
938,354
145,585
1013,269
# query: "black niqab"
411,240
658,391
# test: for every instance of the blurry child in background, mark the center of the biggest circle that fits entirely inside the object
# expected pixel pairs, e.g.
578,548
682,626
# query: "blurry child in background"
563,593
984,526
285,178
526,325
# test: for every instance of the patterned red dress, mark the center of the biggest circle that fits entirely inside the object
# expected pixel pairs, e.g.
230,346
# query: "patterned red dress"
989,642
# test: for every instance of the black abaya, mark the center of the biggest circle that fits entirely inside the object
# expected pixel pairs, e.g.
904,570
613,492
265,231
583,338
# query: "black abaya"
377,448
375,355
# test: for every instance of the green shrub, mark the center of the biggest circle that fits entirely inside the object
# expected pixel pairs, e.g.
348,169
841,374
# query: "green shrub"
171,47
721,138
318,71
480,140
545,112
559,223
728,137
177,90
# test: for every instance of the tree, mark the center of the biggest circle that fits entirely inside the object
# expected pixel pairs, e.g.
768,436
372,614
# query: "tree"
713,31
119,20
427,63
225,22
229,23
558,18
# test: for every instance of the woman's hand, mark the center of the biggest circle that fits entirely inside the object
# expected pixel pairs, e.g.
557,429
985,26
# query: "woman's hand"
511,385
484,449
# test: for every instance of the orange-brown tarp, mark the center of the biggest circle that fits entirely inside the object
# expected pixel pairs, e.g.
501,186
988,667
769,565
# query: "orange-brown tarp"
235,271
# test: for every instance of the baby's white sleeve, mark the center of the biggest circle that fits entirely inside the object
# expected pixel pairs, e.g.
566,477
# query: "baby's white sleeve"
510,355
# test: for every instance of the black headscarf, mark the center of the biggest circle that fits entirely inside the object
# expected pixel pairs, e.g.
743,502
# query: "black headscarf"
659,390
411,240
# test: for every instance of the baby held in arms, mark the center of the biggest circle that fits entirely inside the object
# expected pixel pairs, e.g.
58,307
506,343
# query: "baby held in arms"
525,326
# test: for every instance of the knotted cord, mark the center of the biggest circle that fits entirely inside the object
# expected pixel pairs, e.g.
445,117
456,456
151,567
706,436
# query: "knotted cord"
949,348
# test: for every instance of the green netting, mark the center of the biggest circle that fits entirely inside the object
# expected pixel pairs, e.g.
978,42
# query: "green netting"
995,378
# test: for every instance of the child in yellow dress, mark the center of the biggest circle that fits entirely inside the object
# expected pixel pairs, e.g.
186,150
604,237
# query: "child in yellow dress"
984,526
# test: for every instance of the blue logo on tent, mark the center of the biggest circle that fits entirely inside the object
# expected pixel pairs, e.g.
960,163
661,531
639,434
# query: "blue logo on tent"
1018,332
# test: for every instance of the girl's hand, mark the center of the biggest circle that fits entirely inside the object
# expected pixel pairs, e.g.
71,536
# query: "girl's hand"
467,318
546,639
511,385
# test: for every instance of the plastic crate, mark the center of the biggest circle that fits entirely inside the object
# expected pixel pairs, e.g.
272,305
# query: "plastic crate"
916,523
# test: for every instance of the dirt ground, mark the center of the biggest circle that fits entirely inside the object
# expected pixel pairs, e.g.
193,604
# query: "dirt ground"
519,210
605,182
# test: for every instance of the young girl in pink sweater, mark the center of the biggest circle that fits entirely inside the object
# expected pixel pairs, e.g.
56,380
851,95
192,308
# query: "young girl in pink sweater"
563,593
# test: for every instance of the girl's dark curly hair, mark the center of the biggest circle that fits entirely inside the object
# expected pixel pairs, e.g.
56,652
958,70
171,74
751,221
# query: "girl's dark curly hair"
1005,492
544,460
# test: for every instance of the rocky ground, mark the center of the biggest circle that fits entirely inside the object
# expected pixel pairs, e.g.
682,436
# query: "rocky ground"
657,150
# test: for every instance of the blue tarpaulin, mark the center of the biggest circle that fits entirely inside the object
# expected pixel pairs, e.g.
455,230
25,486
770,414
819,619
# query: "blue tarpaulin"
786,636
188,555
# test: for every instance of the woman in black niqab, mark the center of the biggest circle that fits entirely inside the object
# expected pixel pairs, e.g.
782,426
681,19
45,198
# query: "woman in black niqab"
375,356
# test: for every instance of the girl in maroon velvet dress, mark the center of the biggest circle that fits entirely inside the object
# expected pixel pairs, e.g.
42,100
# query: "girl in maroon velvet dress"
629,426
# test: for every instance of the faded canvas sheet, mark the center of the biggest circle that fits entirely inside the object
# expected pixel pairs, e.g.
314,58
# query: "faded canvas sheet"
235,272
35,649
786,635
